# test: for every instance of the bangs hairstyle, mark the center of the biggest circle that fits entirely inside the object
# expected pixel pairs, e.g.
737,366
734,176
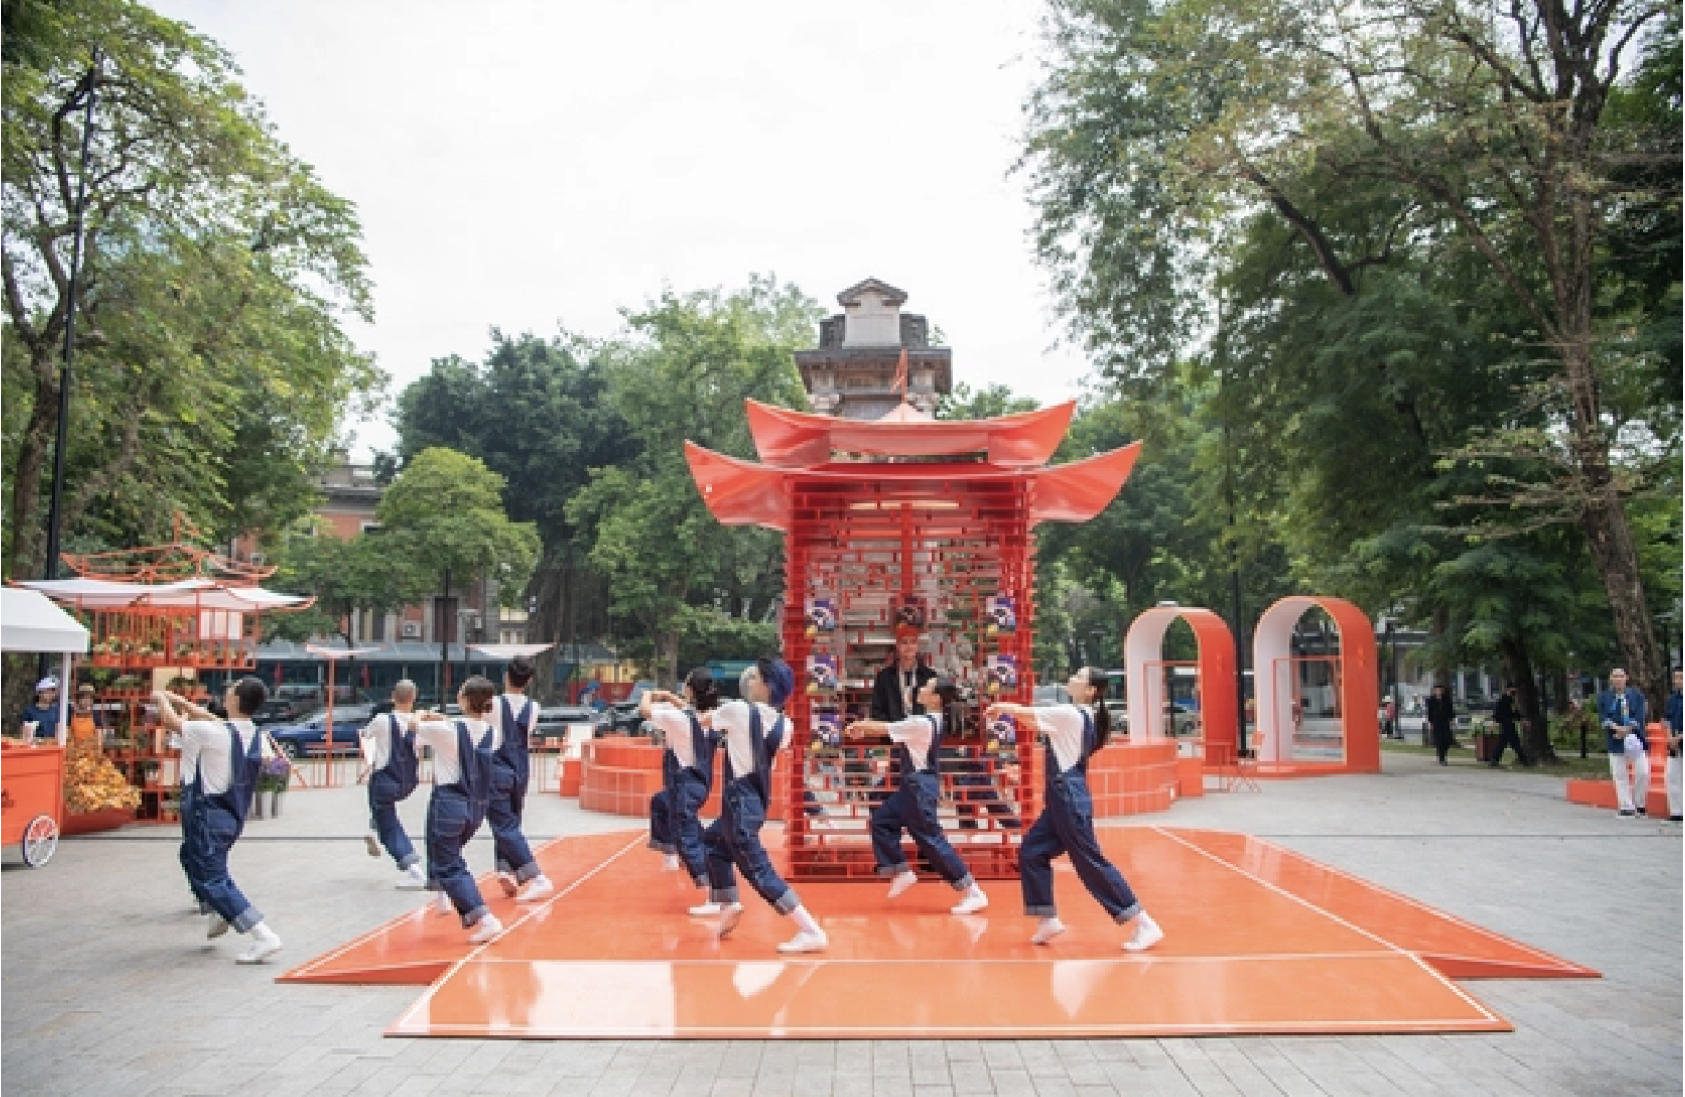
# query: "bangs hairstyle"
1102,715
704,691
477,694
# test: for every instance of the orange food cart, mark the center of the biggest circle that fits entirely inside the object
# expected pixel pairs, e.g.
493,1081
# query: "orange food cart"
31,790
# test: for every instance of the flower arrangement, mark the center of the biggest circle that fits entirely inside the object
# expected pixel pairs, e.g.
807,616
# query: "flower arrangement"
274,773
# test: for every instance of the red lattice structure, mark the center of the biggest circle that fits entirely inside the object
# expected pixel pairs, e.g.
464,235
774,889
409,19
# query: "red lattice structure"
906,520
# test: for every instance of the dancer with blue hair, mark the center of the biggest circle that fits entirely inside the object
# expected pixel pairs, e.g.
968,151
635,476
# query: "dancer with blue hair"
754,731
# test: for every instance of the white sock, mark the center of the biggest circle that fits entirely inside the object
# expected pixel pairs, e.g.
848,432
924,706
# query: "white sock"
670,863
904,880
1046,930
262,932
804,921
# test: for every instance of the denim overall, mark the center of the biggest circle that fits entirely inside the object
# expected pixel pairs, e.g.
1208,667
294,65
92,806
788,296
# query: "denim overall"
912,807
509,793
211,824
454,814
734,839
1066,825
673,826
390,784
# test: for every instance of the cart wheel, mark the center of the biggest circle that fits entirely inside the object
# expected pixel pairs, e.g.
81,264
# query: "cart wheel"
40,839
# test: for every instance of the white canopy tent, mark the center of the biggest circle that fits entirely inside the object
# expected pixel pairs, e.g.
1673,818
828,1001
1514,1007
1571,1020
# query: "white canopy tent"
29,622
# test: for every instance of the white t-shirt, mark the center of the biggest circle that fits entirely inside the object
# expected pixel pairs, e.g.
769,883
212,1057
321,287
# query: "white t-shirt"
731,720
1063,724
674,723
204,745
916,733
513,702
380,731
441,736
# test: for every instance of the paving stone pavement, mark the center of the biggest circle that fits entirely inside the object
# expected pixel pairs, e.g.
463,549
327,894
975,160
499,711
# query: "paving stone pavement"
107,987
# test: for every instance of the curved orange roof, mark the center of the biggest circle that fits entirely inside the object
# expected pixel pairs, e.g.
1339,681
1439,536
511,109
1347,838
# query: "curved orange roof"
797,439
742,493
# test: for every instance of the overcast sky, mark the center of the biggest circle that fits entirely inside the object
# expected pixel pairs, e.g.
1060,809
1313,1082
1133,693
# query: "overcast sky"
532,164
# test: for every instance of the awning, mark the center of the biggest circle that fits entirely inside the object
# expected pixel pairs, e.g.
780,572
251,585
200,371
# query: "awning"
188,594
509,651
29,622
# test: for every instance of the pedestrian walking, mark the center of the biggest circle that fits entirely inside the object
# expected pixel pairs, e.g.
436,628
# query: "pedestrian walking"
1674,717
1440,719
1506,715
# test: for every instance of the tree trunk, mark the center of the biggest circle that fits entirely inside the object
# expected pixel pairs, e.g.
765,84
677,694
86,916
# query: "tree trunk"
1608,534
28,542
1535,732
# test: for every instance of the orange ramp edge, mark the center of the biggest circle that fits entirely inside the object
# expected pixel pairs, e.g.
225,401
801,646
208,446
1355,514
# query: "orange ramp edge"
416,948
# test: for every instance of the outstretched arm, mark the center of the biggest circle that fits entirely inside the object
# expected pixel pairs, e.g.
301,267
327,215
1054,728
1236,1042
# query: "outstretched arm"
1017,712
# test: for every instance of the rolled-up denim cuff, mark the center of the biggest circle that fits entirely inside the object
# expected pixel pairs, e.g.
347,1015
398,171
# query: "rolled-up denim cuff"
528,871
1127,913
964,883
472,918
1048,911
893,870
662,847
787,902
245,920
723,895
409,862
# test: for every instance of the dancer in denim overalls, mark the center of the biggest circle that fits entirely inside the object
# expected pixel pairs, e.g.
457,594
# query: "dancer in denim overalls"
219,764
1066,824
516,714
687,768
462,788
754,732
395,774
912,806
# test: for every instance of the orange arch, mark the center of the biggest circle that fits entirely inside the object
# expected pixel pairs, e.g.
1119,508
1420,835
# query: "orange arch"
1359,691
1144,699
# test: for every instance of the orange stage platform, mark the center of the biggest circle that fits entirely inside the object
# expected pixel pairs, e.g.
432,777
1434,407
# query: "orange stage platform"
1259,940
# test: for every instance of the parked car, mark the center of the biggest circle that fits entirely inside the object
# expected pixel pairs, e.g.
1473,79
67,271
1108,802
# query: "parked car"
311,736
280,710
554,720
620,718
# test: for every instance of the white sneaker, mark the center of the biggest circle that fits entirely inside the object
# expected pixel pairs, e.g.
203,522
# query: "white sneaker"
902,883
485,930
442,903
706,910
972,903
805,942
264,945
507,881
371,841
1147,934
217,928
670,862
412,879
729,917
1049,929
537,888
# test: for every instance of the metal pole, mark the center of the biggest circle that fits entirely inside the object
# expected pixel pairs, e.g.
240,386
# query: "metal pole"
87,94
440,617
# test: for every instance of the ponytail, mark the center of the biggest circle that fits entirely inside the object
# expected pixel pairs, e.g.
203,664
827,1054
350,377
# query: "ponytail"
704,691
1102,715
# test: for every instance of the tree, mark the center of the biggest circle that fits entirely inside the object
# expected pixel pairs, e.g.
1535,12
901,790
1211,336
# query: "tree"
536,412
346,577
443,516
1159,129
212,365
989,402
682,374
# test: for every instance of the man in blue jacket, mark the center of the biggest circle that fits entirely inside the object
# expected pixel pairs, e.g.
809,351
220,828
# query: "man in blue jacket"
1674,718
1620,709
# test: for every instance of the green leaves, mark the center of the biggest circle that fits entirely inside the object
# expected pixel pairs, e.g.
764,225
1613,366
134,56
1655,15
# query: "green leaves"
444,512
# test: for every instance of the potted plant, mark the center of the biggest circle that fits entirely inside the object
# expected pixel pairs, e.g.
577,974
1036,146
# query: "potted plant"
272,778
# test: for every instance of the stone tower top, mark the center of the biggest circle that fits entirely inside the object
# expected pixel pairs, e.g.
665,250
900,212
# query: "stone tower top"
852,373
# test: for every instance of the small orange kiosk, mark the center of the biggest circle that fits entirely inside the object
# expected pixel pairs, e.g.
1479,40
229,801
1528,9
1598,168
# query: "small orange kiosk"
32,777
